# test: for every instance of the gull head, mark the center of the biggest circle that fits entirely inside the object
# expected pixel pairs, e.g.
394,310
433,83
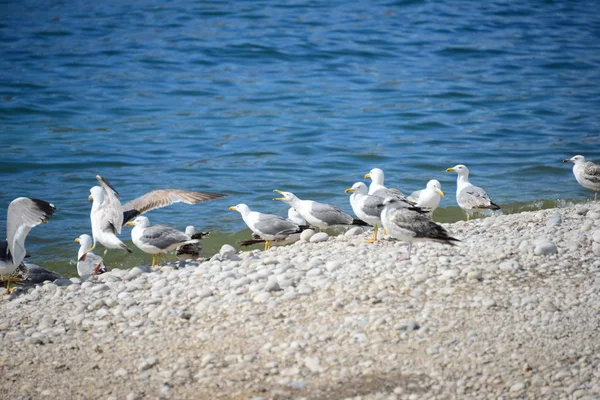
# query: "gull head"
358,187
241,208
190,230
376,175
435,186
85,241
389,202
96,193
578,159
460,169
286,197
141,221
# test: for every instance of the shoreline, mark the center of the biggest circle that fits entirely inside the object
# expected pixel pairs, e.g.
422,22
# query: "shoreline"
511,311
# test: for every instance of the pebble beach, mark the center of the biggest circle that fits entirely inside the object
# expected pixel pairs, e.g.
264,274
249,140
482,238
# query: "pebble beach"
512,311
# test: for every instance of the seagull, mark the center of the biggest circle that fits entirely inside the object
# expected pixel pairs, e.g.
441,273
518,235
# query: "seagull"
411,226
156,239
377,188
429,198
22,215
88,263
318,214
294,217
366,207
32,274
587,173
469,197
108,215
191,250
269,227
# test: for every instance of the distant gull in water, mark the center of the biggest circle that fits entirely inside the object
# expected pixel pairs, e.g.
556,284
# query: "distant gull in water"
587,173
88,263
157,239
411,226
318,214
470,198
269,227
23,214
429,198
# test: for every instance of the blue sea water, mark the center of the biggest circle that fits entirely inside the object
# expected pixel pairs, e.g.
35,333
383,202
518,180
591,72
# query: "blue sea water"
243,97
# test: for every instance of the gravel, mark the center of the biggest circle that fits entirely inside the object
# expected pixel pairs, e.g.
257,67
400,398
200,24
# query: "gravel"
511,312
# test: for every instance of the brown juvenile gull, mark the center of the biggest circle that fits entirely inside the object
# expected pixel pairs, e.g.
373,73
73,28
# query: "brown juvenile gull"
587,173
23,214
191,250
470,198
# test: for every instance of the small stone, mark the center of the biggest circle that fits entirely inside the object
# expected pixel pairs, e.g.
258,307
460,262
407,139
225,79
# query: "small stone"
262,297
509,266
133,273
554,220
544,247
333,266
488,302
314,272
133,396
407,326
148,363
272,286
227,251
306,235
319,237
549,306
121,373
593,215
63,282
313,364
517,387
596,236
354,231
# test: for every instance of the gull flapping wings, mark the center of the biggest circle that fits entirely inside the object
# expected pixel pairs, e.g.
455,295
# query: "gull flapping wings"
112,210
22,215
162,198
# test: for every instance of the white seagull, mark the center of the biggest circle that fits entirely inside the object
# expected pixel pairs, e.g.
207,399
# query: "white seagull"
269,227
587,173
411,226
429,198
318,214
156,239
376,188
23,214
366,207
88,263
470,198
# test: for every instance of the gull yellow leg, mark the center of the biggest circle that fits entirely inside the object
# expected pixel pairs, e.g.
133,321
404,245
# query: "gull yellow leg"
153,260
159,259
8,280
267,245
374,237
468,217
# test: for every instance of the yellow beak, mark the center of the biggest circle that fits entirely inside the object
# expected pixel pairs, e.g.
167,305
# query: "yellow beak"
77,240
367,176
349,190
129,223
280,192
440,192
450,170
90,198
232,208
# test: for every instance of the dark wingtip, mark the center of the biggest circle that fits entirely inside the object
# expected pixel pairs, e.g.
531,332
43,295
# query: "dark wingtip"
494,206
103,180
200,235
359,222
47,208
250,242
129,215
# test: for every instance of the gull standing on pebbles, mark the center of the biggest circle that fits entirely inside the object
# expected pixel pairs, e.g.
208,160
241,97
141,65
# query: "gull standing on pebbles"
429,198
108,215
88,263
269,227
191,250
294,217
411,226
156,239
23,214
470,198
366,207
587,173
376,188
318,214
